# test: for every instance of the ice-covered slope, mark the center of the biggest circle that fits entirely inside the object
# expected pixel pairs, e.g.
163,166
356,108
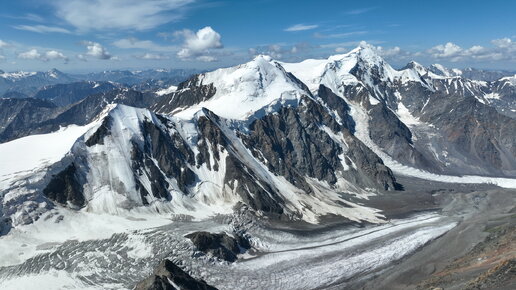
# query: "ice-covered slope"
402,110
166,91
28,154
357,66
242,92
133,162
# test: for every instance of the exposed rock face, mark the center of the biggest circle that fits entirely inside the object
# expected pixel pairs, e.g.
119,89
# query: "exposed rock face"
477,135
172,156
65,187
103,131
188,93
479,132
168,276
294,144
339,105
41,116
22,113
220,245
454,108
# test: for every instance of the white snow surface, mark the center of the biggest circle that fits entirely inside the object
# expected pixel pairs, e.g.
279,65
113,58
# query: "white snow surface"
492,96
17,75
335,71
51,280
32,153
29,152
445,72
248,90
405,116
511,80
41,236
166,91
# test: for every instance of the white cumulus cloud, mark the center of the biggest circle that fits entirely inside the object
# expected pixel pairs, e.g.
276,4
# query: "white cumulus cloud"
96,50
31,54
34,54
502,49
445,51
198,45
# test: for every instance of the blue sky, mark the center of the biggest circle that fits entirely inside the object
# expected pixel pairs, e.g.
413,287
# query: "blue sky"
92,35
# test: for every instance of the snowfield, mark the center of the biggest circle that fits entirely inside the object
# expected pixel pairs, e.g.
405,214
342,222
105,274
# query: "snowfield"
28,154
257,87
284,260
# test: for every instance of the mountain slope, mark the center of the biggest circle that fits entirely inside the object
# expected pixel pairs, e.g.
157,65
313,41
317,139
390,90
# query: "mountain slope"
80,113
394,105
131,160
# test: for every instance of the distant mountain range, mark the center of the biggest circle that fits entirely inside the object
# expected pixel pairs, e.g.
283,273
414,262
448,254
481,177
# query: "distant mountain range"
20,84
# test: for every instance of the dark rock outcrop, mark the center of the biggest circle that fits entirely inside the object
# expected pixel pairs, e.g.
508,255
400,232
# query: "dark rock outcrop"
65,188
49,118
294,144
17,114
221,246
188,93
168,276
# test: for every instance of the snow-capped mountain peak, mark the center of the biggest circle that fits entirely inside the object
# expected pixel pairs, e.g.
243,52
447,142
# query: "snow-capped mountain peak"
443,71
511,80
360,65
419,68
259,85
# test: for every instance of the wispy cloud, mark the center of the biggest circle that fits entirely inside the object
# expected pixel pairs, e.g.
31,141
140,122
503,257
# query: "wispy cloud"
28,16
101,15
359,11
134,43
340,35
282,50
4,44
152,56
41,28
300,27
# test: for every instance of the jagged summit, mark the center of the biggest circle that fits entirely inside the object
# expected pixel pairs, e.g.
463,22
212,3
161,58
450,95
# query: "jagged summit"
419,68
360,65
238,92
441,70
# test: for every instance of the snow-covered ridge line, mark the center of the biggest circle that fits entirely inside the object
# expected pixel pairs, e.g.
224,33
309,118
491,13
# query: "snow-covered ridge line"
166,91
246,89
362,133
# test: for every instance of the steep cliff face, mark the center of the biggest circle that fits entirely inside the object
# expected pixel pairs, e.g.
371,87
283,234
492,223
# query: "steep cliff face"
133,159
422,117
